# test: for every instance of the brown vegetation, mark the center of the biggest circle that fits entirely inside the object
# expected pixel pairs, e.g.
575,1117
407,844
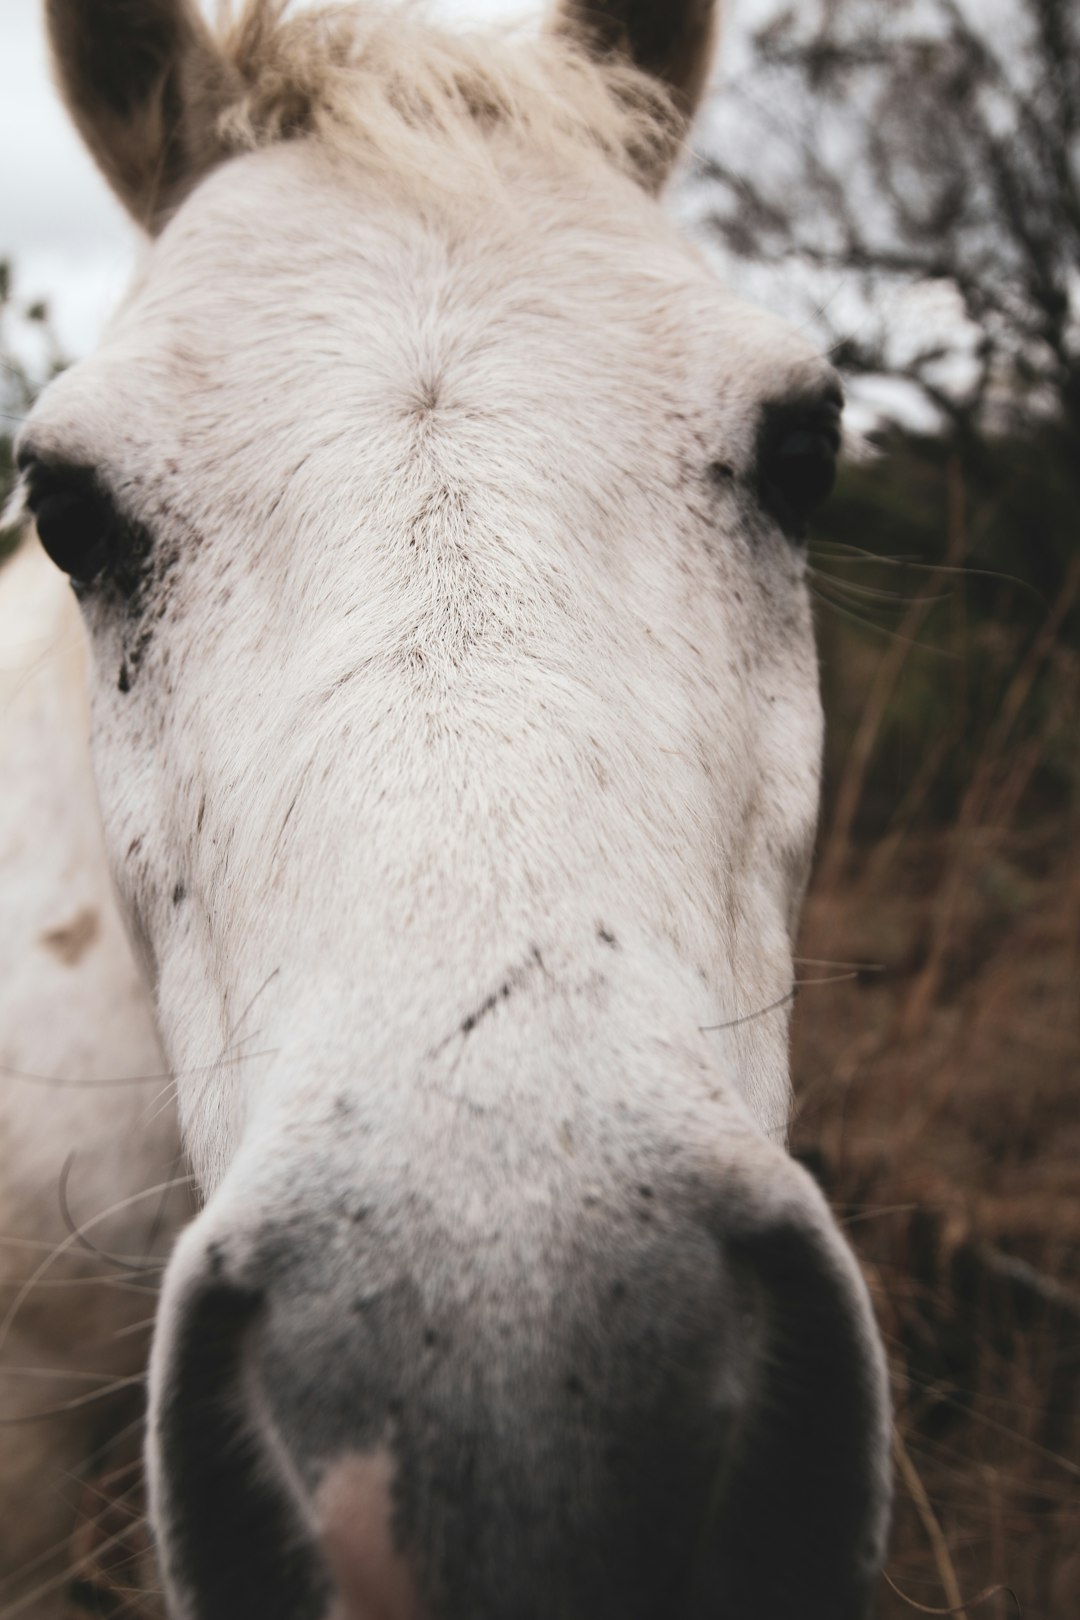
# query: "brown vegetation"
938,1104
937,1095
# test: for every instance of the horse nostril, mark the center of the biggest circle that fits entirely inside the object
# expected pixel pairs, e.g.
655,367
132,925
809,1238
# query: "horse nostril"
232,1541
800,1526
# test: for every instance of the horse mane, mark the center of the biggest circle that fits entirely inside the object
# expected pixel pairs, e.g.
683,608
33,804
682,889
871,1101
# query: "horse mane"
381,82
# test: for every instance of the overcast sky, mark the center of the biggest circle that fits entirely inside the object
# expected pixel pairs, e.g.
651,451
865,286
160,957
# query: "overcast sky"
58,222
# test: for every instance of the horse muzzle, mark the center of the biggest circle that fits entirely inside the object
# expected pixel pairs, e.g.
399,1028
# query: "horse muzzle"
666,1403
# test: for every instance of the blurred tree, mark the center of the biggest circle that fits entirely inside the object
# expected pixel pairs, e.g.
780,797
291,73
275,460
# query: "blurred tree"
922,158
903,177
20,380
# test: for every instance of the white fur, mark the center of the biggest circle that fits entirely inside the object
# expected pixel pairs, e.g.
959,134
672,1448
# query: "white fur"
464,660
524,671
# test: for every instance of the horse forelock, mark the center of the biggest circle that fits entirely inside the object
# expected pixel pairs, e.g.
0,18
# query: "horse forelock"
419,104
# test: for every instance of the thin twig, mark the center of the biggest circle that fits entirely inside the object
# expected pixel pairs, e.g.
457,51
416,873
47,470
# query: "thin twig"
917,1491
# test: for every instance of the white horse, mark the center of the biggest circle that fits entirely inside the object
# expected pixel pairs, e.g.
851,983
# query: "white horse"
434,519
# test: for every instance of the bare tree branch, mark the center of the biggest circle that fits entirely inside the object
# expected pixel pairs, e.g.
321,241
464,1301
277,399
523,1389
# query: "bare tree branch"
904,148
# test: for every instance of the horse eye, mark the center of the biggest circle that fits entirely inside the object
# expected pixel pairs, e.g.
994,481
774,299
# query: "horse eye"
75,519
797,459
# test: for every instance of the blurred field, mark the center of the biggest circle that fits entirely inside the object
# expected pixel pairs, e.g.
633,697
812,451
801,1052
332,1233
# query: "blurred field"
937,1088
937,1102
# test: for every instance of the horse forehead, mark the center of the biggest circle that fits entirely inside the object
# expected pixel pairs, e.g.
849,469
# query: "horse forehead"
297,305
288,259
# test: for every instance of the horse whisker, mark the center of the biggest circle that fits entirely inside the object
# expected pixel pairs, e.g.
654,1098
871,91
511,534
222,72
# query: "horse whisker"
841,551
119,1283
869,624
57,1547
56,1372
30,1077
747,1018
69,1242
77,1233
55,1583
114,1439
851,967
872,593
116,1387
135,1327
781,1001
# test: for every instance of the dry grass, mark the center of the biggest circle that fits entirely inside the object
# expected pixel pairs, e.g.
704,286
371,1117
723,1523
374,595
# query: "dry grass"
946,1130
115,1575
938,1103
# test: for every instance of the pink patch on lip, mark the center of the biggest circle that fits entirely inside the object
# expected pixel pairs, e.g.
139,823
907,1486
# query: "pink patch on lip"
354,1511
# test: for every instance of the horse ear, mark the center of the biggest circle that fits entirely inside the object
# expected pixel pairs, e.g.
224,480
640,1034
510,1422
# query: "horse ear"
145,83
671,40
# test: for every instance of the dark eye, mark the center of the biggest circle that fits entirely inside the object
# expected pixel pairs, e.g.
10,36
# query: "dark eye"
797,453
75,519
